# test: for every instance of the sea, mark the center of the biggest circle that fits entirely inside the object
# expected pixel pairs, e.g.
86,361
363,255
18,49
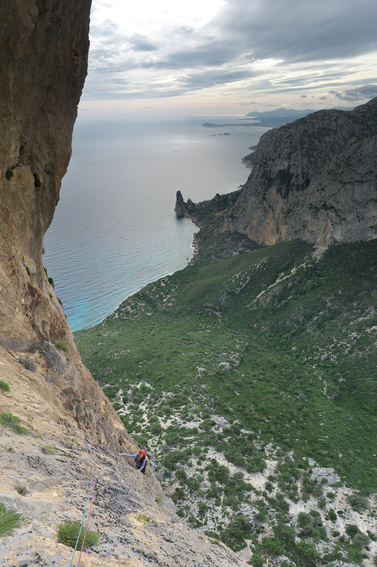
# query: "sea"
114,229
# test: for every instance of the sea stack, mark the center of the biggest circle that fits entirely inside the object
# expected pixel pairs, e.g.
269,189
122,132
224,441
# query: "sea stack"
180,206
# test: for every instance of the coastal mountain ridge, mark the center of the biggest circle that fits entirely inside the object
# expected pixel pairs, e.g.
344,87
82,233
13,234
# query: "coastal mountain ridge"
281,116
313,179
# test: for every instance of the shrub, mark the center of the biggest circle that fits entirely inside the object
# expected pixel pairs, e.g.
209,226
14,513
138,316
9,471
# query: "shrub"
155,428
207,424
62,345
360,540
12,421
179,494
237,530
358,502
4,386
9,174
143,519
352,530
272,546
69,531
304,520
332,515
9,520
257,561
48,450
219,473
307,551
285,534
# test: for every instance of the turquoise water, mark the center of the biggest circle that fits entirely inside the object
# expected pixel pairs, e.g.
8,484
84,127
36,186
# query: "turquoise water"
114,229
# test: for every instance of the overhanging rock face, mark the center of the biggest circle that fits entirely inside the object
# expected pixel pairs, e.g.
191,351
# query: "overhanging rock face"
44,46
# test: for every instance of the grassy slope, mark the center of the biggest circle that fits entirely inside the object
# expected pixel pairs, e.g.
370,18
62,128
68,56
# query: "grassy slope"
279,343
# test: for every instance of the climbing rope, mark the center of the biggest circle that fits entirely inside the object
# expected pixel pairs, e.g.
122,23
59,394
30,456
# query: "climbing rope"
90,494
90,509
91,498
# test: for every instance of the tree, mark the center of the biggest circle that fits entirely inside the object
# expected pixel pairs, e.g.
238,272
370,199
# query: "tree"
307,551
272,546
285,534
257,561
235,534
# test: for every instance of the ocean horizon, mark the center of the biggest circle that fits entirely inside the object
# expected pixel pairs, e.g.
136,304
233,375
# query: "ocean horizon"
114,229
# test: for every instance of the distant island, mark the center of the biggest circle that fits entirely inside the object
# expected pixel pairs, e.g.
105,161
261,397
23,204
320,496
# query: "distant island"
279,116
212,125
270,118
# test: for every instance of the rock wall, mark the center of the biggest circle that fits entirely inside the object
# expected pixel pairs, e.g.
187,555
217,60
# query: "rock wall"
44,47
315,179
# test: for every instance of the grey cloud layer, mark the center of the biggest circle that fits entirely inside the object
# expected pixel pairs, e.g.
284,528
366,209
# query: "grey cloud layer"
359,93
225,51
306,30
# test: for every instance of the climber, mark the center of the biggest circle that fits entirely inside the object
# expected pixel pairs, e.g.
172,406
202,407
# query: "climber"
141,460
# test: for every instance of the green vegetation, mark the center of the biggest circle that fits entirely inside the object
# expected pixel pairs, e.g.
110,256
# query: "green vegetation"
358,502
50,280
142,519
69,531
61,345
9,520
14,422
48,450
4,386
21,490
9,174
259,362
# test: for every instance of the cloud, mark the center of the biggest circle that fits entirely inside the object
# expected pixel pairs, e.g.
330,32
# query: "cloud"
358,93
276,45
204,80
141,43
305,31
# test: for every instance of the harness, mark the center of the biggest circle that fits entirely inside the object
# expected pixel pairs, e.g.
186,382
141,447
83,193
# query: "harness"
139,463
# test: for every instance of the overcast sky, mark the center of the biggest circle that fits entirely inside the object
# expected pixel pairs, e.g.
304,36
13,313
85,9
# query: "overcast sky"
229,57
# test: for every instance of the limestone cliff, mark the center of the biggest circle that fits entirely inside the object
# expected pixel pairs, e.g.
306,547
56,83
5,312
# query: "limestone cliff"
45,473
315,179
44,47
